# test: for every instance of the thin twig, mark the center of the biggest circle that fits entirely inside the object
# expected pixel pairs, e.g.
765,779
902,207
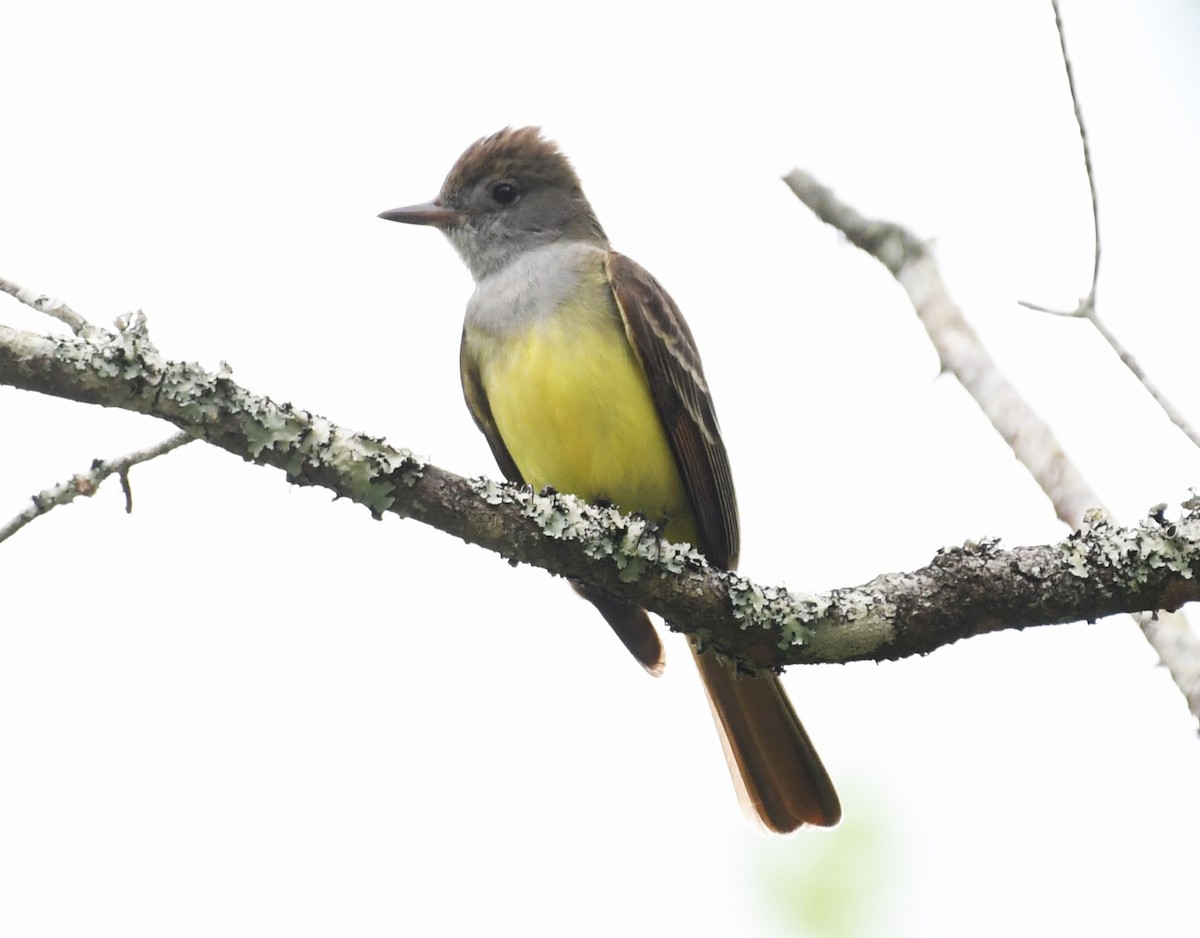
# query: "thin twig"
1089,302
1152,389
45,304
962,354
86,483
1087,306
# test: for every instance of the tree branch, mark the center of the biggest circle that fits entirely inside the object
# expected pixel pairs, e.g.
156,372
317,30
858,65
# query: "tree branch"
87,483
963,355
1087,305
1087,308
964,591
56,309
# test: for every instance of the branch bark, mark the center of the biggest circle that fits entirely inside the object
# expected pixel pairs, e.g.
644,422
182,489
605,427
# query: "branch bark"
87,483
977,588
963,355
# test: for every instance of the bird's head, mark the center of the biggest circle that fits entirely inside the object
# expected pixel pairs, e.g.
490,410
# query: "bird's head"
508,193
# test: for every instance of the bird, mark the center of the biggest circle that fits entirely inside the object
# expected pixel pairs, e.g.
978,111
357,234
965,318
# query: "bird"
584,377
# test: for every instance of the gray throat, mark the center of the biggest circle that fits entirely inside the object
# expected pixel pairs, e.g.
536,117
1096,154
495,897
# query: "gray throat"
531,286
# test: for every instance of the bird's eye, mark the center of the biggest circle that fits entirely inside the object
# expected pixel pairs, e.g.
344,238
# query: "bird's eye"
505,193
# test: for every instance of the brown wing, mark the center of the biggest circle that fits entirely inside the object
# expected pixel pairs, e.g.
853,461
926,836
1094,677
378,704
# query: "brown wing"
481,411
775,768
658,332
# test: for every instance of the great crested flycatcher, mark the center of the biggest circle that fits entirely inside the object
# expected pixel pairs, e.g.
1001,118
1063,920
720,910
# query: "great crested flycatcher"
582,374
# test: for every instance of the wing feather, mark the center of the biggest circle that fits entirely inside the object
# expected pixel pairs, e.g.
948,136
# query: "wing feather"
664,343
481,412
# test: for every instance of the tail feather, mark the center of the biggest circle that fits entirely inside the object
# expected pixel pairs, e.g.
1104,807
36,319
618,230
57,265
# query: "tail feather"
633,628
777,773
776,770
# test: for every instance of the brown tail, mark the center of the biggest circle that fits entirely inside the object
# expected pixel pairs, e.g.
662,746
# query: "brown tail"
777,773
775,768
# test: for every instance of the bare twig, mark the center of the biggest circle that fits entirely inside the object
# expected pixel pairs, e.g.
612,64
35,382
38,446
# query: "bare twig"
87,483
1087,306
1173,414
963,355
958,347
45,304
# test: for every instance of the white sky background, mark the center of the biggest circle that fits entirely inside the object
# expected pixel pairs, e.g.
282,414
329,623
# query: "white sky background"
244,710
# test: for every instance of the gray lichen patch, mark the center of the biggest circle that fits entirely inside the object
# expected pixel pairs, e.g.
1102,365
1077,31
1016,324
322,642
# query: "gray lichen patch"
211,405
1133,554
792,616
632,542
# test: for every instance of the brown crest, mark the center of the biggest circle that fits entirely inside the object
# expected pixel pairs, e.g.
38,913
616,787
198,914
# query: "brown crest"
512,153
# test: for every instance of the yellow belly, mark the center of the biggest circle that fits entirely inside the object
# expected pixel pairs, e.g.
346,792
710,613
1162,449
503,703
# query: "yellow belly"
574,409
